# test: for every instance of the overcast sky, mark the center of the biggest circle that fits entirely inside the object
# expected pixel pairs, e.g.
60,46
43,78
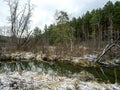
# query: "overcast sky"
44,10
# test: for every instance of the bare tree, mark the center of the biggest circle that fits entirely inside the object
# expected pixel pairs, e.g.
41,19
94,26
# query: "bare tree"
19,22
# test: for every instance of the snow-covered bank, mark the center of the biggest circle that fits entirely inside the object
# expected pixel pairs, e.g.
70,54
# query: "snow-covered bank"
41,81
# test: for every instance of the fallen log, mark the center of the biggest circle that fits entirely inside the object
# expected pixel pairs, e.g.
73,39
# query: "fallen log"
109,48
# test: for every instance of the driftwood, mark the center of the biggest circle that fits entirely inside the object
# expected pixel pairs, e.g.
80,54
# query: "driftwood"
109,48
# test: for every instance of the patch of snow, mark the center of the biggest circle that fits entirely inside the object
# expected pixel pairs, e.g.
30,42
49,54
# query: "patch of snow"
90,56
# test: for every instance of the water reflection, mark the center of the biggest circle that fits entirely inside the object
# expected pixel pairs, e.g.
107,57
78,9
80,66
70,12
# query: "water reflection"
105,74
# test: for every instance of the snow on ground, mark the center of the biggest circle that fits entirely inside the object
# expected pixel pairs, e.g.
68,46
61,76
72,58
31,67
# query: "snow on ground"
28,80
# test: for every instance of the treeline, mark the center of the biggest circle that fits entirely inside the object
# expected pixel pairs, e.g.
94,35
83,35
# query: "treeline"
93,31
93,28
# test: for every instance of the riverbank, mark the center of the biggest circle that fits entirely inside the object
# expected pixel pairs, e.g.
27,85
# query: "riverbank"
41,81
85,60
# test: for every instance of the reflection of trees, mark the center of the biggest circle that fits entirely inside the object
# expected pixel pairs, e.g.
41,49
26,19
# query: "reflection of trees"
15,66
101,73
105,74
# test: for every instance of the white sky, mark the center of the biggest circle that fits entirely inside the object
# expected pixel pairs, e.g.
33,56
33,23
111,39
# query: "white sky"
44,10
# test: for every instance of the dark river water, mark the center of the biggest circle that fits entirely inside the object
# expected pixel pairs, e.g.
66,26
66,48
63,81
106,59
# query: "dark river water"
106,74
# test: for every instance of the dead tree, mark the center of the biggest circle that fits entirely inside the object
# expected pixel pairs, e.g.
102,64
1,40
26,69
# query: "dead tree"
109,48
19,22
